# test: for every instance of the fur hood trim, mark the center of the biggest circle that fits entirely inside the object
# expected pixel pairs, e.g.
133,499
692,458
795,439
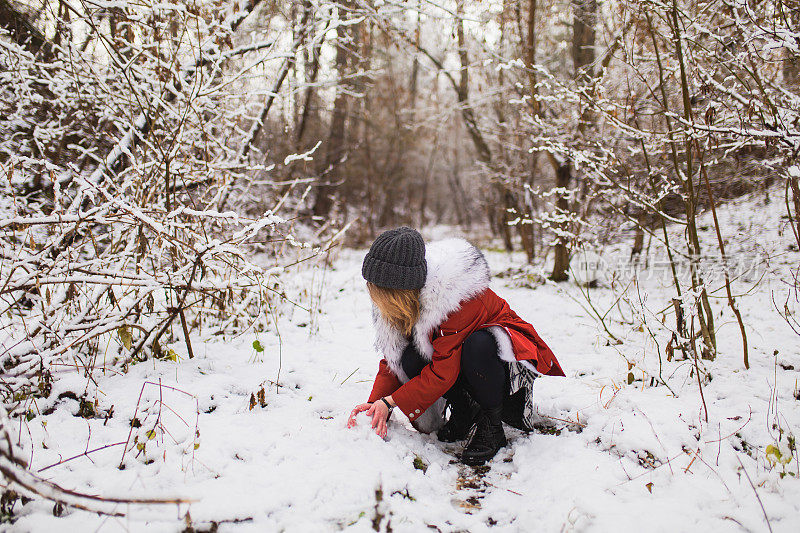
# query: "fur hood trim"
457,271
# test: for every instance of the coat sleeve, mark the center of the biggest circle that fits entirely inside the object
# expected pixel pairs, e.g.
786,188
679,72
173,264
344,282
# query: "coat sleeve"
385,382
419,393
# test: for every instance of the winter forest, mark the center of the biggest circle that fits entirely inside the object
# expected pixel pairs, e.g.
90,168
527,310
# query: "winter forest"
189,189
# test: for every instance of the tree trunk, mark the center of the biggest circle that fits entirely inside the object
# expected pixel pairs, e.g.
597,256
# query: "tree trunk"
561,250
526,231
638,240
530,55
583,38
791,64
794,185
311,79
462,92
412,86
329,169
704,313
583,43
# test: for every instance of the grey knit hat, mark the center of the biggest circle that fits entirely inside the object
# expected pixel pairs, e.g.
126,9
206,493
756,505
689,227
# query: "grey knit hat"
396,260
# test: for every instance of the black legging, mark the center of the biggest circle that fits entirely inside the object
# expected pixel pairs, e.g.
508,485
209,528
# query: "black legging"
483,374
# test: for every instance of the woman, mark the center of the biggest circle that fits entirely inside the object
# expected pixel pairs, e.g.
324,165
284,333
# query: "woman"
447,339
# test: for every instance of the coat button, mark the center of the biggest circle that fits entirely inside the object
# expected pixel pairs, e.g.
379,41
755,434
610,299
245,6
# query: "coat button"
411,415
417,411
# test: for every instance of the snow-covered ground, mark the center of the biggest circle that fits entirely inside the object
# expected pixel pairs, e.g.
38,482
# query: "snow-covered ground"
608,455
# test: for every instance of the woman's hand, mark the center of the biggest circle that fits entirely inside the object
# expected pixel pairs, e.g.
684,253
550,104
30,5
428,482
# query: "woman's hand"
380,416
357,409
379,413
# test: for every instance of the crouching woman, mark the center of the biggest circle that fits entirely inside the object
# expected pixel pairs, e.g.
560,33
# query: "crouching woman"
449,343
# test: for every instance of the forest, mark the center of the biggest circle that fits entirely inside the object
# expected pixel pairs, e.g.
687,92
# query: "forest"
189,189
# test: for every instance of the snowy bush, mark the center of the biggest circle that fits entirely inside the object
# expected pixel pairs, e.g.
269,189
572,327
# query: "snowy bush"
125,131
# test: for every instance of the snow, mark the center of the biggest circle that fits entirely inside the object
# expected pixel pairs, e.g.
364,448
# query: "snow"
608,455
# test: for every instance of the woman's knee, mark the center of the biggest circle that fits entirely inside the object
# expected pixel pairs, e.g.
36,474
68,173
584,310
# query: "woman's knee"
478,347
484,373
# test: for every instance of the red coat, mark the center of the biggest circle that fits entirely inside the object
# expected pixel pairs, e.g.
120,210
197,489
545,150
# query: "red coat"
482,311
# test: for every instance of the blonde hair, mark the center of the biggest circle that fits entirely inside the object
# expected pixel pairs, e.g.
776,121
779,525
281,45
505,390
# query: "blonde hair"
399,307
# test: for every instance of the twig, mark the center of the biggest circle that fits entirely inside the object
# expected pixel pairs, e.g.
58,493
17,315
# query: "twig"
186,334
581,424
735,432
509,490
80,455
756,493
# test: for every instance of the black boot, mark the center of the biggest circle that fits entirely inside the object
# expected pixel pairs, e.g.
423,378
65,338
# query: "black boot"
463,411
487,439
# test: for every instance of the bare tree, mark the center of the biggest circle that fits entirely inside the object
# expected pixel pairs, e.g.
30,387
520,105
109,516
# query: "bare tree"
328,169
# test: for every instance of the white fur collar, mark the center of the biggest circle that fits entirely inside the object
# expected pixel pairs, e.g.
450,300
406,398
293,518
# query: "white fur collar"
457,271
